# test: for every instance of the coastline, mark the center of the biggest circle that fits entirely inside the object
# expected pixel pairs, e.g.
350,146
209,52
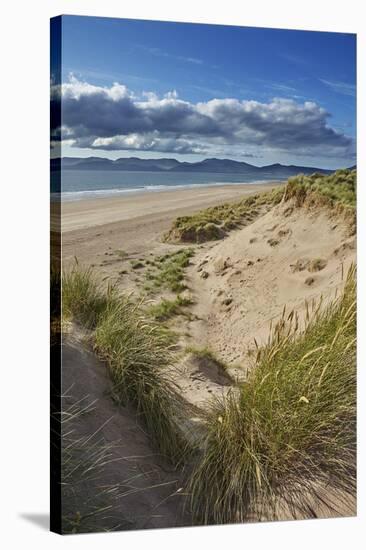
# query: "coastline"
92,212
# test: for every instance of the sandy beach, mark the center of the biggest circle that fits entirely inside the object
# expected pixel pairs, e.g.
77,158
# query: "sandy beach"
135,222
92,212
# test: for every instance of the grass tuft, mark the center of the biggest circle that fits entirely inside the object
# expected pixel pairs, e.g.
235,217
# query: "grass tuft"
82,298
291,429
167,271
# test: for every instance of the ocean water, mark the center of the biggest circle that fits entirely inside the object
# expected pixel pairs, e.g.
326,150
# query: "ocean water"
87,184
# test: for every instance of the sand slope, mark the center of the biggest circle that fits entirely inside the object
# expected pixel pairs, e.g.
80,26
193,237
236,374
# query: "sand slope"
241,284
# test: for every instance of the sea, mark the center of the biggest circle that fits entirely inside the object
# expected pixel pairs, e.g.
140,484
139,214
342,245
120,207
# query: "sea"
89,184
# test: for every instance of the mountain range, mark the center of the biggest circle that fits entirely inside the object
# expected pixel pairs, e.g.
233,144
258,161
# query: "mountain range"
210,165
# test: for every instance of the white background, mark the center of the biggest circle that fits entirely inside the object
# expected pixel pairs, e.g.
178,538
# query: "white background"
24,391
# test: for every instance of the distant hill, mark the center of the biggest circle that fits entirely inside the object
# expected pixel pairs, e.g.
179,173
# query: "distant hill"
210,165
132,164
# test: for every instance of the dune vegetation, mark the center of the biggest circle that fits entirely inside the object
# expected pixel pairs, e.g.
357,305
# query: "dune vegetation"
166,272
338,188
165,309
137,351
215,222
290,430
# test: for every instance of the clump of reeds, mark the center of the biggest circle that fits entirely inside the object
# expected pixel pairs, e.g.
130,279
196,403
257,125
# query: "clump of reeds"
291,429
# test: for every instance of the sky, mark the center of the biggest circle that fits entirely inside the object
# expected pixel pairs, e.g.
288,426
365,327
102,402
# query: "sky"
154,89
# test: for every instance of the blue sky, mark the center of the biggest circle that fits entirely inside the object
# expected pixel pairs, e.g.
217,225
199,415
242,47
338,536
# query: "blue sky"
192,91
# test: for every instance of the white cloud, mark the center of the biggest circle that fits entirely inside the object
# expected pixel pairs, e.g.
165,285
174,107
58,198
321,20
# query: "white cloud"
115,118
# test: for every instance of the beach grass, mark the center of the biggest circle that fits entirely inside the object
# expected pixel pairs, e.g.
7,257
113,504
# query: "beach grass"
215,222
338,187
291,429
166,272
335,190
82,298
137,350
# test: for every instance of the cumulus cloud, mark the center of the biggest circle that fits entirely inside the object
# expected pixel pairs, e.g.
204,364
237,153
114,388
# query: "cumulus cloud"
114,118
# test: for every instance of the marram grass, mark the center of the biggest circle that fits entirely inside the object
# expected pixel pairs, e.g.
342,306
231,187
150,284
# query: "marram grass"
290,430
215,222
336,190
137,351
139,356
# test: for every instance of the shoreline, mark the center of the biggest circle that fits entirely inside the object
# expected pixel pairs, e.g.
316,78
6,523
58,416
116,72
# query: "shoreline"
92,212
94,194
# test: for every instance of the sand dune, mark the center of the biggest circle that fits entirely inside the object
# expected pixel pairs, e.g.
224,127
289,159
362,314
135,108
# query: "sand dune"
283,259
239,285
251,274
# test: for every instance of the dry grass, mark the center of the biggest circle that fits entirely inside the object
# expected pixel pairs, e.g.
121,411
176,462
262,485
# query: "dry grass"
292,427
